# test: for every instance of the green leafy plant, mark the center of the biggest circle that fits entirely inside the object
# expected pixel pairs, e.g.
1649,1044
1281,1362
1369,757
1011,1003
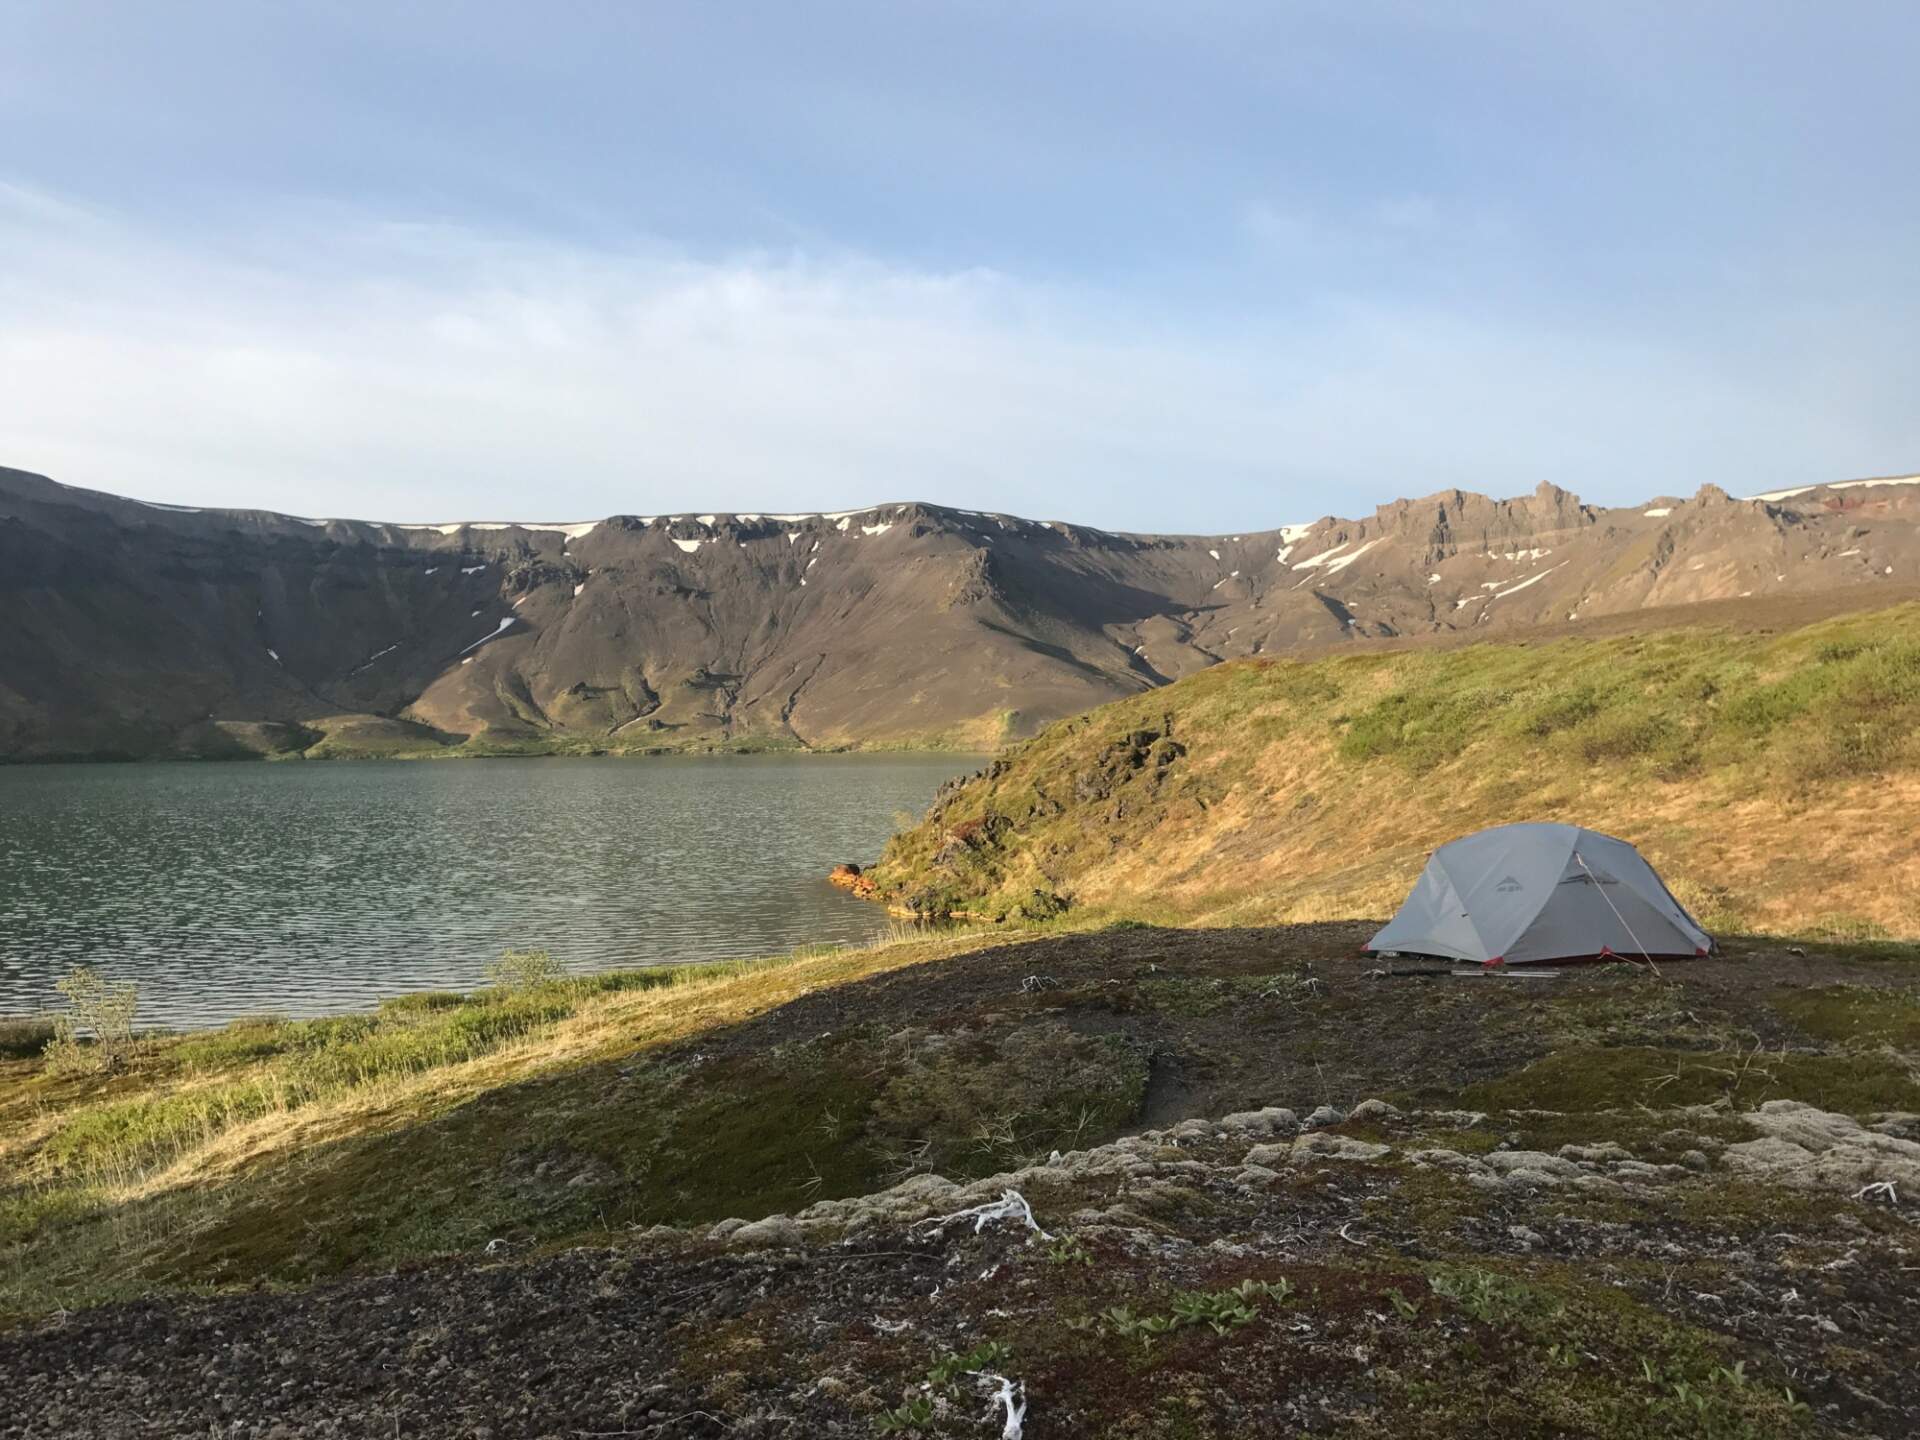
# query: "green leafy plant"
1221,1311
948,1368
1724,1403
1068,1250
1488,1297
915,1414
943,1376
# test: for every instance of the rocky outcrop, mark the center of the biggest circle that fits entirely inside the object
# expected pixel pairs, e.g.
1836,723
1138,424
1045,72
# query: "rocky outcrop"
1810,1148
847,876
1143,753
1215,1152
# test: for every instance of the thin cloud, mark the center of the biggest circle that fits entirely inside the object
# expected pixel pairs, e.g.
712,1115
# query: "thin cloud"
346,365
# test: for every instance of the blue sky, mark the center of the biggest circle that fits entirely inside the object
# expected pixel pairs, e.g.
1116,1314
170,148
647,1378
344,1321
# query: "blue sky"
1201,267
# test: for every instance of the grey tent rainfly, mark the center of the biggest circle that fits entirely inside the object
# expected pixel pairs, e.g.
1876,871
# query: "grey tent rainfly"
1522,893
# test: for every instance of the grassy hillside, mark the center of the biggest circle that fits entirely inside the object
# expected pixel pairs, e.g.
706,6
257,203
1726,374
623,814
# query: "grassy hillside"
1771,778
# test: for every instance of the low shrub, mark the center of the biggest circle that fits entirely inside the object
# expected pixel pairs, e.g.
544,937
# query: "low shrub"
525,970
421,1002
96,1030
301,1062
252,1037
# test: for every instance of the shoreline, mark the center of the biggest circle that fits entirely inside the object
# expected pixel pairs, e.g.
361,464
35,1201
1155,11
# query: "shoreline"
461,753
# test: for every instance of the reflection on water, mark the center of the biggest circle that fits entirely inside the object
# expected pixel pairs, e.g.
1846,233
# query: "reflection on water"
305,888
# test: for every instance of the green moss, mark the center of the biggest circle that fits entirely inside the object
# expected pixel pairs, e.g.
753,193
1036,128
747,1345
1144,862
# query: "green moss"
1190,996
1654,1135
1853,682
975,1102
1749,1208
745,1137
1451,1347
1477,1141
589,1149
1855,1015
1860,942
1432,1201
1588,1080
1419,729
31,1210
1552,1351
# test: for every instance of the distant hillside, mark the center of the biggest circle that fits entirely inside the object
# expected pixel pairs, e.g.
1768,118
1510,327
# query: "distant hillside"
1771,777
135,629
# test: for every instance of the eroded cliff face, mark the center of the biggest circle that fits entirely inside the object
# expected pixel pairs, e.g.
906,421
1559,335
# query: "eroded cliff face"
137,629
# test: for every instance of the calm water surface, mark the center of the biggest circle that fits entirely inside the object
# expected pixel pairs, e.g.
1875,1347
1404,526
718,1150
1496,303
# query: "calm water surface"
234,889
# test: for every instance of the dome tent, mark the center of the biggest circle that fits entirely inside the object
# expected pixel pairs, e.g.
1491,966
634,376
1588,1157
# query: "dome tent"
1521,893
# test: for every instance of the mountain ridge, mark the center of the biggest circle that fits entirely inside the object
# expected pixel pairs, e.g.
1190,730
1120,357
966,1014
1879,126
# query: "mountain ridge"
142,629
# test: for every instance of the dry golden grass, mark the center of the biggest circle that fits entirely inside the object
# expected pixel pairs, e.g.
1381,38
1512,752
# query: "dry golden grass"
1770,864
601,1026
88,1194
1771,779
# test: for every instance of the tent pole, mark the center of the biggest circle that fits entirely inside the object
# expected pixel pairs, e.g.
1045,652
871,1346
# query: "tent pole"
1616,911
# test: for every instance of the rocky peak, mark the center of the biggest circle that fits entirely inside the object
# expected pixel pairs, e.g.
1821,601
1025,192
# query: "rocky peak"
888,624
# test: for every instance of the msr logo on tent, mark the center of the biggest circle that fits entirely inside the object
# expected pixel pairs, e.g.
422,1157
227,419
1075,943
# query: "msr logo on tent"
1508,886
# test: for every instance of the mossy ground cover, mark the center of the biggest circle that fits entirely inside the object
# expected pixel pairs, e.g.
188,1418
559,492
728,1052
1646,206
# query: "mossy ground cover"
1253,1314
1868,1017
1586,1080
1338,1298
1770,777
1406,1292
441,1123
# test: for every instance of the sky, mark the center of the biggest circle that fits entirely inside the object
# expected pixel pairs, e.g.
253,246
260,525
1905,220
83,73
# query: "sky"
1196,267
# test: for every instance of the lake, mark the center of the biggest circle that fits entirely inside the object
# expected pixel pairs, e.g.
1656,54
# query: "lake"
312,888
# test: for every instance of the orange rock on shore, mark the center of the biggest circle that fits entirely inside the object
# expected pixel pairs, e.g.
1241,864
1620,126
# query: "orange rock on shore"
848,877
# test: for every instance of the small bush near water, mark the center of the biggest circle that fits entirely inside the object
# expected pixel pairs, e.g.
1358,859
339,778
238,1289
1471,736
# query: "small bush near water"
99,1008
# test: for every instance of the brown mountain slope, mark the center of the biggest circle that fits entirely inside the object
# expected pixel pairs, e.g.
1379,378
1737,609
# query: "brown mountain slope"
139,629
